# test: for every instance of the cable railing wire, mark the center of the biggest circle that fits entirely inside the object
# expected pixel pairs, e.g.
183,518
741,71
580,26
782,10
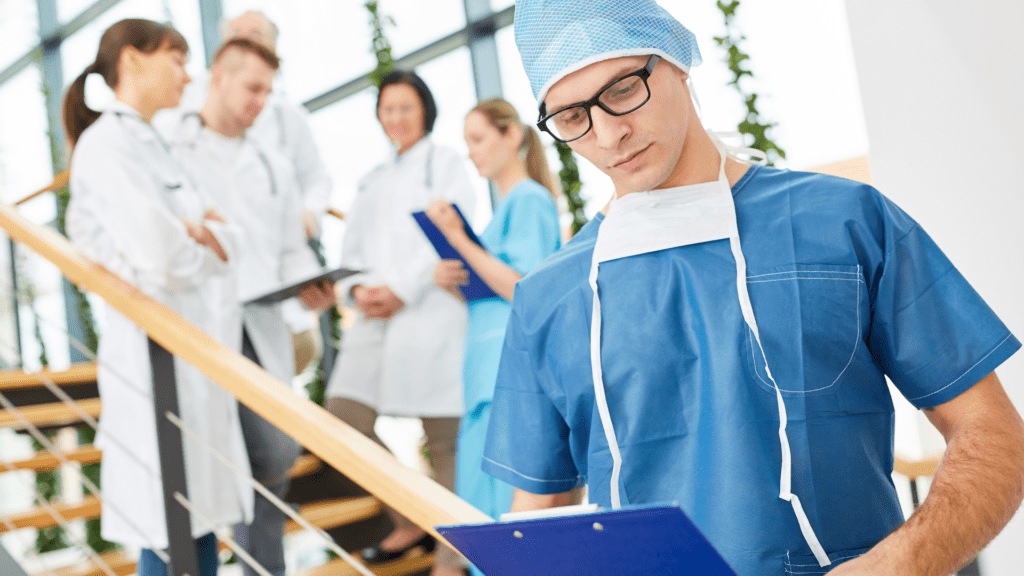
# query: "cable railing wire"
50,385
227,540
280,504
63,522
8,523
50,447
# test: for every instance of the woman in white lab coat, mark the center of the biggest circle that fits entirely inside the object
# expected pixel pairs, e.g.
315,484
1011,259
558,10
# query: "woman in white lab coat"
136,212
403,355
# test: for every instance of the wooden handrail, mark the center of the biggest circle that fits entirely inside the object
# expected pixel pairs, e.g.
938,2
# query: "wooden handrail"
60,180
412,494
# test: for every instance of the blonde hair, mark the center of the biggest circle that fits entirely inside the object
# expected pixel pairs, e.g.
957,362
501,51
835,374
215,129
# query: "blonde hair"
501,115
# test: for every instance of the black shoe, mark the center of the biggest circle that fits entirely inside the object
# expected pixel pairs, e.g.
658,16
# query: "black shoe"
377,555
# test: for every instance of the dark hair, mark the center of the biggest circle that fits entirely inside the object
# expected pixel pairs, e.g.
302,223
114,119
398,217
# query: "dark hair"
426,98
145,36
251,46
501,115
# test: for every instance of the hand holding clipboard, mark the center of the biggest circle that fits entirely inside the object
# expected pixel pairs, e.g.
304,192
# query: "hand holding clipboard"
475,288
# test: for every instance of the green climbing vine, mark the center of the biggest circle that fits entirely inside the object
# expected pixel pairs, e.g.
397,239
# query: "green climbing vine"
381,46
754,124
569,176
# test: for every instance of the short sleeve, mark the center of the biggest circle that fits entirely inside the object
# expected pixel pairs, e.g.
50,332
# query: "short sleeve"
531,232
931,332
527,438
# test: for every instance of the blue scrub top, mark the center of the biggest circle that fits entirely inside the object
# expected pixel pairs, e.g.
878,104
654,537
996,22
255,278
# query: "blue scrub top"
522,233
846,289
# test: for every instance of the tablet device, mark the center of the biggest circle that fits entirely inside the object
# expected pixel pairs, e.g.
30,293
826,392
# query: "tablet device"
294,289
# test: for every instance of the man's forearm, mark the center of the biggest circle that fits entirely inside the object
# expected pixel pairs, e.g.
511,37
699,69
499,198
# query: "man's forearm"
523,501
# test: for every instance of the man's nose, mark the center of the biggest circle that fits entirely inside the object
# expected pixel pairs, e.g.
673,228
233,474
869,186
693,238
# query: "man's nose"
608,129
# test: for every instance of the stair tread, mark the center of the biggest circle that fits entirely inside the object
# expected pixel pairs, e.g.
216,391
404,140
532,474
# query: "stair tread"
40,518
413,562
44,460
119,561
305,464
330,513
80,373
52,414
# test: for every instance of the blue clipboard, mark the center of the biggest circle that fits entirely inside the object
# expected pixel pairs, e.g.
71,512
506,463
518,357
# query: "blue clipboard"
477,289
636,540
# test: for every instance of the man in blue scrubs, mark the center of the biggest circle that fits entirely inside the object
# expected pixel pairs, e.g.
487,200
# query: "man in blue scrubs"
720,336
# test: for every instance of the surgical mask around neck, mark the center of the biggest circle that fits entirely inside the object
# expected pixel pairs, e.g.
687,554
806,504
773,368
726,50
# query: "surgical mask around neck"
643,222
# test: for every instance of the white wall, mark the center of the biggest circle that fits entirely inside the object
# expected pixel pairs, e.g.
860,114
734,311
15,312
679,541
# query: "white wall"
941,84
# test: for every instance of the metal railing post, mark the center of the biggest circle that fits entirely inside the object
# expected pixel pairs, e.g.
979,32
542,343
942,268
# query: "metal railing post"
181,545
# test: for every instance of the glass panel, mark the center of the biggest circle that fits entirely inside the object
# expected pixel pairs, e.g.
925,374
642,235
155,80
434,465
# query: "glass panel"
25,166
19,29
322,43
352,142
79,50
450,78
418,23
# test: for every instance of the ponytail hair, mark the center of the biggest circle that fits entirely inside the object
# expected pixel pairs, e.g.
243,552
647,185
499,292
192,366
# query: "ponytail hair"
145,36
501,115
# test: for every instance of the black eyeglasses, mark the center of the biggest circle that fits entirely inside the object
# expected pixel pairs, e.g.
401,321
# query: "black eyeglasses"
619,98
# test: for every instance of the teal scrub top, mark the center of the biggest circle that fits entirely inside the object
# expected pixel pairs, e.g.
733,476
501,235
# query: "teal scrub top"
846,289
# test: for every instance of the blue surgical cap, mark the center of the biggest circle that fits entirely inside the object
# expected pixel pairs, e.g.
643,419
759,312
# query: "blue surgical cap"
558,37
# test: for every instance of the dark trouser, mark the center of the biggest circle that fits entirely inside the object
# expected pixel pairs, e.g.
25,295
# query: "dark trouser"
271,455
206,552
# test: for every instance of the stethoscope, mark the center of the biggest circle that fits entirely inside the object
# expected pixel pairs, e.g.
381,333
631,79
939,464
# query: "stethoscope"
191,143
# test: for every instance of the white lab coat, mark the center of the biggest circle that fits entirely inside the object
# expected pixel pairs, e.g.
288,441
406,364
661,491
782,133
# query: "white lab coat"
128,196
282,127
236,173
411,364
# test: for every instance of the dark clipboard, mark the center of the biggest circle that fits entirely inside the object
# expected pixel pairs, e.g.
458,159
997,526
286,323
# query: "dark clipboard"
636,540
294,289
476,289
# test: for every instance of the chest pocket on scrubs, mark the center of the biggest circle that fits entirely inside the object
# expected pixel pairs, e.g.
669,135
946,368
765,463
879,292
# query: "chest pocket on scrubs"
811,319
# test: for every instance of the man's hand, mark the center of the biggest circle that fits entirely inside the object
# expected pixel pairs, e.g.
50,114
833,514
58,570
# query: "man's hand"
377,302
977,488
310,224
318,297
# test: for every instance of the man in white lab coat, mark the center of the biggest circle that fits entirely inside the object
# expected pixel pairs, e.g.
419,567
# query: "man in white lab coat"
256,189
283,127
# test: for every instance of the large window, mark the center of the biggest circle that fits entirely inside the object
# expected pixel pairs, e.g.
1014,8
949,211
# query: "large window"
19,29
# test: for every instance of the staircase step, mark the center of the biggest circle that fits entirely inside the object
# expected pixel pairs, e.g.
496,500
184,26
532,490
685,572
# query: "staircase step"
118,561
304,465
43,461
330,513
48,415
413,562
40,518
81,373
